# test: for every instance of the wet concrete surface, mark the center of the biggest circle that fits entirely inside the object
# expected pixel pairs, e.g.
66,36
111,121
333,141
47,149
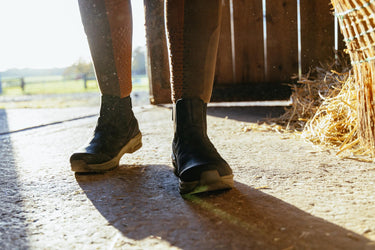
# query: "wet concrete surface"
288,194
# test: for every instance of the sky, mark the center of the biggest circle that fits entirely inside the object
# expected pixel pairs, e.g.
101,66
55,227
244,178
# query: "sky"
49,33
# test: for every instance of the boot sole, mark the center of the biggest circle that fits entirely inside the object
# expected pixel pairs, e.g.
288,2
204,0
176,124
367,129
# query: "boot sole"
209,181
81,166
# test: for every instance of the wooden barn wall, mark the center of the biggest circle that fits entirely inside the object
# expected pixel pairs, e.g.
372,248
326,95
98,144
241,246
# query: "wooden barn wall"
317,25
282,43
157,53
224,63
242,71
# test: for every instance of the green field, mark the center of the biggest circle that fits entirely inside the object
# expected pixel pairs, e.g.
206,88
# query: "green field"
57,85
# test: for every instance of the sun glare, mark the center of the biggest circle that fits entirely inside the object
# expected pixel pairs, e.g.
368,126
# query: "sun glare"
45,33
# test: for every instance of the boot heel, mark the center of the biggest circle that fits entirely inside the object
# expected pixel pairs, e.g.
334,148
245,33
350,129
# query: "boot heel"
135,148
135,144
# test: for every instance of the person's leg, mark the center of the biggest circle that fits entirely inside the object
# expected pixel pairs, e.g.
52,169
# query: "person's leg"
108,26
193,28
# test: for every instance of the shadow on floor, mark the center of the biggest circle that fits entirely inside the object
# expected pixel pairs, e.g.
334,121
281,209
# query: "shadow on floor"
247,113
143,201
13,233
243,113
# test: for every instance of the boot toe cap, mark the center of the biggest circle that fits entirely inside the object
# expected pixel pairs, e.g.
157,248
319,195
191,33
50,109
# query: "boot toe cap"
90,158
194,171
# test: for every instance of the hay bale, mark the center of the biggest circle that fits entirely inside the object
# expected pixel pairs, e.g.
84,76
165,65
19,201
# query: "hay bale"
347,120
357,23
338,109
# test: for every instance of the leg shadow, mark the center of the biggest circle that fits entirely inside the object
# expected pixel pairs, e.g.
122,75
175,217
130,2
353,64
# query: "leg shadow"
143,201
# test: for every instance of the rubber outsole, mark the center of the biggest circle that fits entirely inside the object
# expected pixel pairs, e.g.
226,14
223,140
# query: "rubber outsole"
80,166
209,180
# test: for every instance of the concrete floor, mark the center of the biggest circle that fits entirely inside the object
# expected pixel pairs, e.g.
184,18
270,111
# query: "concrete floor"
288,194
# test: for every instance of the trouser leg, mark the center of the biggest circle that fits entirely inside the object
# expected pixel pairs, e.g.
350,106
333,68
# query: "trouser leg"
193,29
108,26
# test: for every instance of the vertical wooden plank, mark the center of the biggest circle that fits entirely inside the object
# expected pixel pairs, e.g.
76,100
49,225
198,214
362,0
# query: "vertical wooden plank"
248,32
224,64
157,53
282,44
317,31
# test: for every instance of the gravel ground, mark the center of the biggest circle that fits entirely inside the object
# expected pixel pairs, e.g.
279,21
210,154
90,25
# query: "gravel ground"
288,193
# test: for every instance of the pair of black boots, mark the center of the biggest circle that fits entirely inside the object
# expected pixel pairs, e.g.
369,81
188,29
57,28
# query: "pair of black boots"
196,162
